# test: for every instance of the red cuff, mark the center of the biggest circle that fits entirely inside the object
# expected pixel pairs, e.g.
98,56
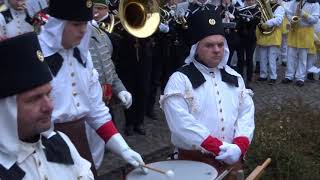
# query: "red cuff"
107,130
212,144
243,143
106,90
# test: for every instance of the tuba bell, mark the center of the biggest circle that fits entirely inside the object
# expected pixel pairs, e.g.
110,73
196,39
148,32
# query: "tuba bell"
140,18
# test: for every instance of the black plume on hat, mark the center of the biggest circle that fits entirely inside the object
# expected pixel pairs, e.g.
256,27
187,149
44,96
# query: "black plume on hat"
204,23
72,10
21,66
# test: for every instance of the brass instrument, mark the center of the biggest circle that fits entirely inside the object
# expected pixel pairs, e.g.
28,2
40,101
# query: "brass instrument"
181,20
140,18
109,26
164,15
266,14
243,9
297,16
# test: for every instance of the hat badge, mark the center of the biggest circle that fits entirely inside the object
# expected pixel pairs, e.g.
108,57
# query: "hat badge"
89,3
40,56
212,22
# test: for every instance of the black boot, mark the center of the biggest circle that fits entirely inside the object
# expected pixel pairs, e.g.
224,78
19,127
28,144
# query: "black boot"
310,76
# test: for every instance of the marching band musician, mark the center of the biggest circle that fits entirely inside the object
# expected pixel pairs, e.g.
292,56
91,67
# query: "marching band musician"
101,52
77,93
300,38
219,135
13,20
160,55
104,16
247,29
230,14
29,148
284,39
312,53
173,45
269,44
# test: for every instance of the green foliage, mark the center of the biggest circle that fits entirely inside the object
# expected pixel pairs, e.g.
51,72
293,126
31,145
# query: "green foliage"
290,136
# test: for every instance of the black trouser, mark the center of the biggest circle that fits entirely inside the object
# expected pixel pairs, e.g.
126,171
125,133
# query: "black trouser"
245,58
135,75
155,80
233,41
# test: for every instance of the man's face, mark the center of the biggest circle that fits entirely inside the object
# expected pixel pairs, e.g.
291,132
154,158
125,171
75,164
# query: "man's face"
201,1
226,2
73,32
99,12
34,111
210,50
250,2
17,4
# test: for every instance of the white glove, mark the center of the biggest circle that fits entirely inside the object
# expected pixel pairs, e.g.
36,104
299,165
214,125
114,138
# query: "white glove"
118,145
126,98
163,28
229,153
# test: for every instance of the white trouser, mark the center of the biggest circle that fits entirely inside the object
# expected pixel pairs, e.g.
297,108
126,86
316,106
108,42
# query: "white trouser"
297,63
96,145
311,60
284,48
269,56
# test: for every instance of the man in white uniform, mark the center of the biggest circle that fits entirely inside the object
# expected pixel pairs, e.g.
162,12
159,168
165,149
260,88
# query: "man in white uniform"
13,20
209,111
29,148
77,93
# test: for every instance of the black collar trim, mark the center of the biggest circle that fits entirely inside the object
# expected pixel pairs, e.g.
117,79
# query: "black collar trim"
15,172
229,78
54,62
7,16
77,55
57,150
197,79
194,75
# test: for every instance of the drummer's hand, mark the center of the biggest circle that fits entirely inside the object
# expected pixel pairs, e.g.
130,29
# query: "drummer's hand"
134,159
229,153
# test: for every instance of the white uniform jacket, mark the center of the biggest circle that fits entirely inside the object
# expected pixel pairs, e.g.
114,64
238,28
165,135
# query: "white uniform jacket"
76,89
34,162
12,23
203,103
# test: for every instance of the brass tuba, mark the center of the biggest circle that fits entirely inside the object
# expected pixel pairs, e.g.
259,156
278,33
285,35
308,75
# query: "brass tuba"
140,18
266,14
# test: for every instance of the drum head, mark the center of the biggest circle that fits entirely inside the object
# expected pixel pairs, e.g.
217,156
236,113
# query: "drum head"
183,170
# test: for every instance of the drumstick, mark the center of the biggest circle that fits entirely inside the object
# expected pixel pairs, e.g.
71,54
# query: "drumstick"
169,173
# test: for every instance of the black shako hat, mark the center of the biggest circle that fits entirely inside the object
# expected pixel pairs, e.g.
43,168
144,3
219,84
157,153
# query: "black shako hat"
71,10
22,65
203,23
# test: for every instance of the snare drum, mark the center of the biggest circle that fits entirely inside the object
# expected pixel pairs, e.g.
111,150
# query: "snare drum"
183,170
